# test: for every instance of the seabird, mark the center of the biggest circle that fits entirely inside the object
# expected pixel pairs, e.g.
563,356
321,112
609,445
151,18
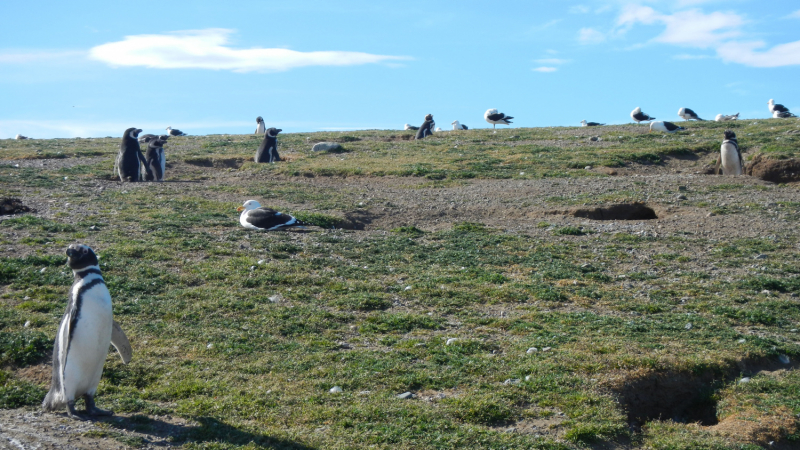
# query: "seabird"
20,137
410,127
459,126
688,114
730,157
172,132
782,114
667,127
256,217
86,330
591,124
724,118
268,150
426,129
776,107
638,116
496,118
439,129
260,127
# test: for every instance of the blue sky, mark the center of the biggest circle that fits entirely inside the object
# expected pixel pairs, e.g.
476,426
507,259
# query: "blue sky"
95,68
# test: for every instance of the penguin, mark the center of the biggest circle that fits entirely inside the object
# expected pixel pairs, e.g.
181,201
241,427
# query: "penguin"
427,127
730,157
256,217
638,116
172,132
155,160
260,127
410,127
129,157
82,340
724,118
268,150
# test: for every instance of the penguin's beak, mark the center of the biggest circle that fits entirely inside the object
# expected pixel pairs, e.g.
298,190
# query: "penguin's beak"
240,209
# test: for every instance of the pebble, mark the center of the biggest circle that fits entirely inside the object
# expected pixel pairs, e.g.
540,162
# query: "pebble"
532,350
364,392
681,197
761,257
261,261
683,188
93,228
210,346
405,395
587,168
784,359
522,173
335,390
688,326
43,269
765,292
408,288
546,349
528,378
742,341
275,298
451,341
511,381
744,380
27,324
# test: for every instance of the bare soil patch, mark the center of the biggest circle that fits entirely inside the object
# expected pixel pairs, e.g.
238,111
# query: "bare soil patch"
776,171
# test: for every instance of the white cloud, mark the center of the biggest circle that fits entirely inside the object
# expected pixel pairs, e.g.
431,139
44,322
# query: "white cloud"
686,56
21,57
545,69
794,15
579,9
590,36
551,61
691,28
751,54
206,49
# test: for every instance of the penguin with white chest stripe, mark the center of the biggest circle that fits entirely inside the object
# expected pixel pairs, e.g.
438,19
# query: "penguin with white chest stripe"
84,334
730,157
155,160
268,150
130,156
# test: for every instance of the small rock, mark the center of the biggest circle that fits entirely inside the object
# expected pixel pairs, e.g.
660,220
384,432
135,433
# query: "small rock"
681,197
522,173
210,346
345,346
93,228
335,390
711,214
761,257
688,326
587,168
451,341
744,380
793,330
765,292
43,270
325,147
594,139
408,288
546,349
510,430
511,381
261,261
276,298
405,396
742,341
683,188
27,324
528,378
252,268
784,359
532,350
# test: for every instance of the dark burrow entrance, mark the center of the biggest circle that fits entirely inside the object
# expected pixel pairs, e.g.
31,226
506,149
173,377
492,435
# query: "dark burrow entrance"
684,397
10,206
622,211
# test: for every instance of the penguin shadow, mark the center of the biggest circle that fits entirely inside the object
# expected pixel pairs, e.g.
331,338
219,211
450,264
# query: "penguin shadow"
202,430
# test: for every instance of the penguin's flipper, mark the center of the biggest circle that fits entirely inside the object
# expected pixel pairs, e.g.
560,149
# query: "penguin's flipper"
121,343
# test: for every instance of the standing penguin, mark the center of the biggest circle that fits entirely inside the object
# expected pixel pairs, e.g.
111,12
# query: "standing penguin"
426,129
155,160
730,157
260,127
82,340
268,150
129,157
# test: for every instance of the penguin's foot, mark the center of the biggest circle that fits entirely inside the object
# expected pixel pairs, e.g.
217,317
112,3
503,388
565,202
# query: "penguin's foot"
93,410
71,413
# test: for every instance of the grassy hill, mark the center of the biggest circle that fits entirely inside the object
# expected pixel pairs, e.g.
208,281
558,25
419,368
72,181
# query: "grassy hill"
642,331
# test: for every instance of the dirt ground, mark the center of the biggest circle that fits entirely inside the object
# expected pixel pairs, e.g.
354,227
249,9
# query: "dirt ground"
674,191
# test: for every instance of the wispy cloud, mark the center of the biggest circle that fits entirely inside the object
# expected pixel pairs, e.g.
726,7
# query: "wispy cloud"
208,49
686,56
552,61
591,36
545,69
720,31
794,15
22,57
580,9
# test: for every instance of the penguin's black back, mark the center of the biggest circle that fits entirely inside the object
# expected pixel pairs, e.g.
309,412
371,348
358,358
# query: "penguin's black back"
129,152
264,150
424,130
